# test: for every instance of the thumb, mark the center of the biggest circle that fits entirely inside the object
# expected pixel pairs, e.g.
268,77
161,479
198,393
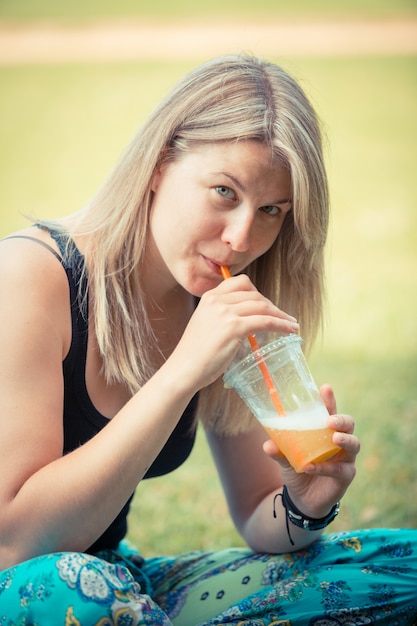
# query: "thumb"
328,398
271,449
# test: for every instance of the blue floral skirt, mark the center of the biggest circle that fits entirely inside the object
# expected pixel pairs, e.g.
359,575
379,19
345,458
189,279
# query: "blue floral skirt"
344,579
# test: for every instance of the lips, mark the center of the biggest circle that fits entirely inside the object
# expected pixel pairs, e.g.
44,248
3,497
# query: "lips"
214,265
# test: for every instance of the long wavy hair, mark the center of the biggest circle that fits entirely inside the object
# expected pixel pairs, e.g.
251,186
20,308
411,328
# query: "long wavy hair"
230,98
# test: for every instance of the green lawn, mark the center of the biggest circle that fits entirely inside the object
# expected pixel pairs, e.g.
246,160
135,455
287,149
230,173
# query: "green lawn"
215,9
61,129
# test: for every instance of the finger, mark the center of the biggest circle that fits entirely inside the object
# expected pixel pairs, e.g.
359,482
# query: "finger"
349,443
344,472
328,398
342,423
240,281
249,303
240,289
342,463
271,449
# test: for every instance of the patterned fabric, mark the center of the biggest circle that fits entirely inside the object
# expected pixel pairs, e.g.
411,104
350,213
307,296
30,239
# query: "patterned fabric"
344,579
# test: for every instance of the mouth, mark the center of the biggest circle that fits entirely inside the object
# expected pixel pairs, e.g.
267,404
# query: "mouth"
214,265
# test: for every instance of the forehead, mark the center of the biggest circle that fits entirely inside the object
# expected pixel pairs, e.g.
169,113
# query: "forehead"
253,164
245,149
250,156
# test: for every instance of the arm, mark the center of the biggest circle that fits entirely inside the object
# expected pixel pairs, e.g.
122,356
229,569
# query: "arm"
50,502
252,472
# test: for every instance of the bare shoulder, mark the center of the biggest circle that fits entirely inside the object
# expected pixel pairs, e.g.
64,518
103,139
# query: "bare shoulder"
28,244
33,280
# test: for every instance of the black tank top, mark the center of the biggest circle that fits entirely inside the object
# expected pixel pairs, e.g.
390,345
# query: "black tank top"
81,419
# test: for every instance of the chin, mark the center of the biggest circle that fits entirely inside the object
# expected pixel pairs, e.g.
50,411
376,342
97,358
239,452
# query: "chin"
199,287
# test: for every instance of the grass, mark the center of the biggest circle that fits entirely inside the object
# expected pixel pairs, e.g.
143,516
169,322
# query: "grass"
61,129
166,9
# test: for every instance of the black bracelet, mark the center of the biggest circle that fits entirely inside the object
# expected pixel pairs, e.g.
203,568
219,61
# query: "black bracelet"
299,519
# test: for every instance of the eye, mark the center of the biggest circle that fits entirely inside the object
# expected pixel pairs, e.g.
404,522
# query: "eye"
276,209
226,192
271,210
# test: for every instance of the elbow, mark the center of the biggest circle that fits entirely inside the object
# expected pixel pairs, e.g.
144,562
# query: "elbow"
260,544
258,539
10,556
18,544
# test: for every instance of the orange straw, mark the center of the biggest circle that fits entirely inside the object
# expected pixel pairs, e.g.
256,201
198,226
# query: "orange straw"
261,363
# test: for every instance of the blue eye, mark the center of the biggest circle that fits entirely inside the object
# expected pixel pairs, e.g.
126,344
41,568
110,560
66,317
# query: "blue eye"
276,209
271,210
226,192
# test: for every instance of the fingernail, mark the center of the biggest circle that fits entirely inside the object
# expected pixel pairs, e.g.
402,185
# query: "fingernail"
336,421
295,327
309,468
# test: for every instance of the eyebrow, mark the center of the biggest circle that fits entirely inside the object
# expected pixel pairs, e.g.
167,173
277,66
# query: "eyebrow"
242,187
235,180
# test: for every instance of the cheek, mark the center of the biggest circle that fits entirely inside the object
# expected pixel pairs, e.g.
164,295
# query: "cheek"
165,214
266,238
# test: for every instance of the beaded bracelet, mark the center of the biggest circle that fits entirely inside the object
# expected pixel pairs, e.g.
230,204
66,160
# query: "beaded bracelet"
299,519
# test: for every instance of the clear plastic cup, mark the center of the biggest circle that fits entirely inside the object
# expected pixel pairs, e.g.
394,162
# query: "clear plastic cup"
302,434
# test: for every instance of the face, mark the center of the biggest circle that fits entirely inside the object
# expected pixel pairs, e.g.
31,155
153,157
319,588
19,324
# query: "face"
221,204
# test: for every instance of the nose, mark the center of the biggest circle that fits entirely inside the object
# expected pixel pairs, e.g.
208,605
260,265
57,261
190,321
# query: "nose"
238,229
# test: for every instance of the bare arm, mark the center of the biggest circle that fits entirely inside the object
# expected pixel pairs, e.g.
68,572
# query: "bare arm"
50,502
251,480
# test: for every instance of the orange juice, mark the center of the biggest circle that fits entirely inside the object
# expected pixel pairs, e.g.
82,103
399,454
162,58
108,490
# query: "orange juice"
302,437
275,382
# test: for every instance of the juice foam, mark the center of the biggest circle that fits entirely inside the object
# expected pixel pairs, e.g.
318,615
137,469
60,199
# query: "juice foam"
312,419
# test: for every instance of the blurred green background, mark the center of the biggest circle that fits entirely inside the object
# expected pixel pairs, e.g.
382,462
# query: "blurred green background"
63,125
79,10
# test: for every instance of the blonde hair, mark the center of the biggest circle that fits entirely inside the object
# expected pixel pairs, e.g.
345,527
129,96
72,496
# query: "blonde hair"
226,99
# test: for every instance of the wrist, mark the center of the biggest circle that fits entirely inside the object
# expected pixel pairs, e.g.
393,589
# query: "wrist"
177,377
305,521
309,510
299,519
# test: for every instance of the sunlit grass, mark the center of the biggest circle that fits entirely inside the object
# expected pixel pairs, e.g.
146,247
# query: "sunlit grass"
215,9
62,129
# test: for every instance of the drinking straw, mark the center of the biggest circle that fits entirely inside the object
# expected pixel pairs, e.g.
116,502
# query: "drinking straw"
261,363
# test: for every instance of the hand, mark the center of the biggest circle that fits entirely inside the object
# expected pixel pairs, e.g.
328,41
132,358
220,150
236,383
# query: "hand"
321,485
223,319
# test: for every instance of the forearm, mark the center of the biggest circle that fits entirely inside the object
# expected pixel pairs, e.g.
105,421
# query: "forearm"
268,529
68,503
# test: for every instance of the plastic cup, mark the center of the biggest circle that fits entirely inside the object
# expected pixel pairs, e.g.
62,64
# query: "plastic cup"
302,434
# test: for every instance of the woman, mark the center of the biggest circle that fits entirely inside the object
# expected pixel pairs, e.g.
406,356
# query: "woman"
102,385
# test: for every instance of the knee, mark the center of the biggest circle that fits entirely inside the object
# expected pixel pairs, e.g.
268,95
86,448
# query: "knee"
74,588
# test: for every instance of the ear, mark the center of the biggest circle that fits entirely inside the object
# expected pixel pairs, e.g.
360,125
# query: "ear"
156,179
159,169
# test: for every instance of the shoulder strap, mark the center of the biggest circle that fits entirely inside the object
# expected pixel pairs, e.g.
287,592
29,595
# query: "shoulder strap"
41,243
